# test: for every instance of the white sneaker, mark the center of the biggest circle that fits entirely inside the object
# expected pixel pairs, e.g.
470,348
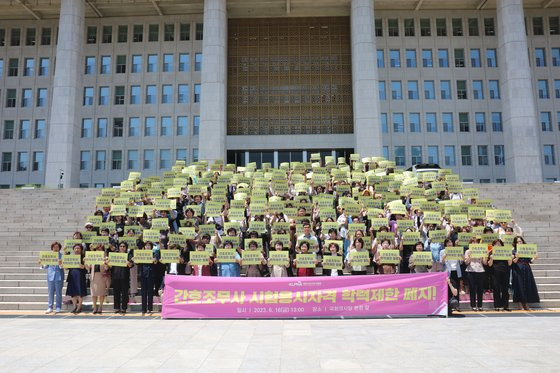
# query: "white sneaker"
57,310
49,310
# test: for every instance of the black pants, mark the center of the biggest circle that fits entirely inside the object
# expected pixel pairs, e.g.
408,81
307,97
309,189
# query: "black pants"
500,288
147,294
120,293
359,272
476,283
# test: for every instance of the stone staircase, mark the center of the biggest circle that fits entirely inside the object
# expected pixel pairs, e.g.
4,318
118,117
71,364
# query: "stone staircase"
30,220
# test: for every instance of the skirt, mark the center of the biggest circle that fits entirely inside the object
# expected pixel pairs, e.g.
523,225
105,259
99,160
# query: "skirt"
524,286
99,286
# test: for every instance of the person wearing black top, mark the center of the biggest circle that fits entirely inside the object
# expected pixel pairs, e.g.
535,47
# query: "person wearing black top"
500,279
120,279
147,275
333,250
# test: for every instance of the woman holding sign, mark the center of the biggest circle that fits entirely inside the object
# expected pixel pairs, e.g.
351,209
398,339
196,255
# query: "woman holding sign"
278,270
414,265
99,274
77,288
120,279
55,278
305,269
358,257
333,251
524,286
500,260
475,259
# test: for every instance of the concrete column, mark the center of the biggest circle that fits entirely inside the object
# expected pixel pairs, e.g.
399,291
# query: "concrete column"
521,133
63,147
213,115
367,121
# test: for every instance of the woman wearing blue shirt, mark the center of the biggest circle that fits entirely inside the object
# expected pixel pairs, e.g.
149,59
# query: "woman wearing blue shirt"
55,279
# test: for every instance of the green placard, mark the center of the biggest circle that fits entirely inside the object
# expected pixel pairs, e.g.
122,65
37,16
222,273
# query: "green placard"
285,238
332,262
169,256
68,244
526,250
478,250
305,260
502,252
199,258
488,238
459,220
100,240
340,244
432,217
48,258
379,222
143,256
118,259
177,239
188,232
94,258
251,257
160,224
206,229
389,256
404,224
233,239
257,226
278,258
385,236
422,258
213,209
438,235
507,239
226,255
71,261
454,253
410,238
151,235
360,258
354,227
118,210
476,212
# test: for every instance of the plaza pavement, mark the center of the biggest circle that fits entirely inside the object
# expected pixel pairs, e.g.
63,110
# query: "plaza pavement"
524,342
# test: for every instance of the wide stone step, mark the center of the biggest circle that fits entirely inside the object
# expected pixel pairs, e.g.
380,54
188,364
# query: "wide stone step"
25,283
547,280
546,272
548,287
23,276
41,290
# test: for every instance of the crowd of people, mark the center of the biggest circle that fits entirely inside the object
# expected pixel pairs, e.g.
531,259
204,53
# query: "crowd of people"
317,208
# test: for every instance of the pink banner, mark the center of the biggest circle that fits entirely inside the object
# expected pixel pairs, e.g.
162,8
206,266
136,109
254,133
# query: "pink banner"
287,297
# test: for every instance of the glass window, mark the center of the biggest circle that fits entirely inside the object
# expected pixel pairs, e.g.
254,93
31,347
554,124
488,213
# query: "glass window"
135,95
15,37
475,58
195,155
183,94
197,93
431,122
466,156
137,33
459,57
103,96
166,127
13,64
86,128
411,58
105,64
133,127
489,26
185,31
549,156
395,57
119,95
164,159
121,64
2,37
542,86
153,32
102,127
196,125
29,67
546,124
122,33
197,61
43,67
378,27
482,155
151,94
396,90
425,27
480,119
427,59
150,126
167,63
152,63
464,122
461,89
100,159
409,27
167,94
499,157
449,151
400,156
85,160
457,25
538,26
380,58
473,27
433,154
443,57
11,96
118,127
557,88
494,86
554,25
382,90
136,63
88,96
414,119
26,97
412,88
42,96
184,62
540,57
1,67
384,123
46,36
182,126
416,154
181,155
441,27
107,34
398,122
148,159
38,161
393,26
555,57
24,128
478,92
199,31
429,90
445,88
491,57
116,159
497,121
169,32
447,120
8,133
90,65
6,162
132,157
91,35
386,152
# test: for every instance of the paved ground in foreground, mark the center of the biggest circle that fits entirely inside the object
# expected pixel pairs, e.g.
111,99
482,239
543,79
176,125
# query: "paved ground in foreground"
518,342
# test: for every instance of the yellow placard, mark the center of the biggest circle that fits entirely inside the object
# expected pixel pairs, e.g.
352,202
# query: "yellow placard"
332,262
213,209
502,252
502,215
507,239
478,250
438,235
177,239
526,250
198,258
169,256
151,235
48,258
69,244
432,217
354,227
103,201
206,229
421,258
360,258
389,256
251,257
118,210
71,261
226,255
454,253
257,226
459,220
404,224
385,236
278,258
305,260
476,212
143,256
160,223
488,238
188,232
94,258
410,238
379,222
118,259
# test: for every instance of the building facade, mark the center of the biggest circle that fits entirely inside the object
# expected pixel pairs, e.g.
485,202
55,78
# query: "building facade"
470,85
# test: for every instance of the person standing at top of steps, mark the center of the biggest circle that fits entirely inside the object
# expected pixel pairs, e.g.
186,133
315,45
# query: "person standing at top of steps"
55,279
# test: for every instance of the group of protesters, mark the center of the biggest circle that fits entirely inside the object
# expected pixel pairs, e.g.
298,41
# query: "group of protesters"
326,216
